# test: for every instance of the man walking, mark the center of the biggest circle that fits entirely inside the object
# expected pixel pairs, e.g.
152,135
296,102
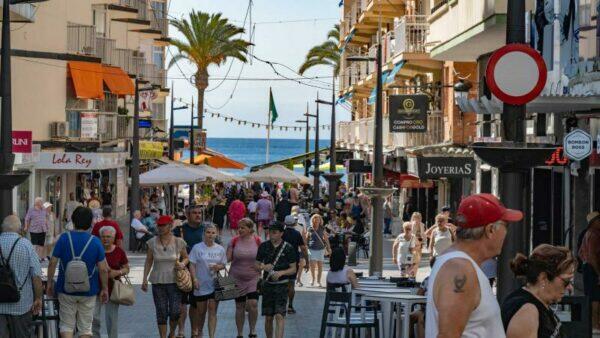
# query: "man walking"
295,239
277,259
18,256
107,220
192,233
461,301
36,223
78,285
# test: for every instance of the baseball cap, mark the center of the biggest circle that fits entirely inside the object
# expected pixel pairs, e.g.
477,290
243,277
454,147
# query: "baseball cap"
290,220
482,209
46,205
164,220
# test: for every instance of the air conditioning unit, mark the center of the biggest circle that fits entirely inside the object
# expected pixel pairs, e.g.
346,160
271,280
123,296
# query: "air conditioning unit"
59,129
138,53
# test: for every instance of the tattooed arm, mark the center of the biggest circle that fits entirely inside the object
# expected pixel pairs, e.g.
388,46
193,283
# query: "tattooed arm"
456,294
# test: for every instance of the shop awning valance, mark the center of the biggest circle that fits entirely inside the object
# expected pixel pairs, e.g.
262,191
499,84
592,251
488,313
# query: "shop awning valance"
392,75
117,81
87,79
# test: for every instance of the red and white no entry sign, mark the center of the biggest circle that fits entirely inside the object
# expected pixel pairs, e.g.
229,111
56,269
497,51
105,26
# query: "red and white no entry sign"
516,74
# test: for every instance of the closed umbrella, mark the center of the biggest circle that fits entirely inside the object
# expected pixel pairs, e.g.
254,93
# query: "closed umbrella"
277,173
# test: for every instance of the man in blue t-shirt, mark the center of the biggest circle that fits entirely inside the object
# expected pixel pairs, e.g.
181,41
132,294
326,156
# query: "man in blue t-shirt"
77,309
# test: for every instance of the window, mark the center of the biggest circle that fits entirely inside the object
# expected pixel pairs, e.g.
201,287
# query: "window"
159,9
99,20
158,56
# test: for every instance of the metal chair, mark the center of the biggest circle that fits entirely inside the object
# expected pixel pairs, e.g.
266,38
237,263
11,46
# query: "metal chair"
338,313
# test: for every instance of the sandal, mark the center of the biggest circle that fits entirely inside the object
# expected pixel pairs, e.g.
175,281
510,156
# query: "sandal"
291,310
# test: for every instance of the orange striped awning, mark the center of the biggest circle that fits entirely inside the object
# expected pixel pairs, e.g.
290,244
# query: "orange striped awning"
87,79
117,81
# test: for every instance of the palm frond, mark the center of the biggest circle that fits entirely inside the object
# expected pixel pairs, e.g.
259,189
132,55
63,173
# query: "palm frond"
326,53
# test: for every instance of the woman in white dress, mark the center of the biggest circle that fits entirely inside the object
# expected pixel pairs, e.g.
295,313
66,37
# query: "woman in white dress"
403,251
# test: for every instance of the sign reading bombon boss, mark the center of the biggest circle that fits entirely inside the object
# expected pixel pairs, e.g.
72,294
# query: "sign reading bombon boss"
408,113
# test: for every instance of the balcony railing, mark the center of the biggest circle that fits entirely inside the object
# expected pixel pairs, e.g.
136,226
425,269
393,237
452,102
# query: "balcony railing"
105,49
360,133
109,126
140,5
138,68
123,58
411,34
159,24
81,39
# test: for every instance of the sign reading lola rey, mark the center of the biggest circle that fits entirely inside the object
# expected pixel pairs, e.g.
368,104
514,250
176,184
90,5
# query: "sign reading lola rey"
438,167
408,113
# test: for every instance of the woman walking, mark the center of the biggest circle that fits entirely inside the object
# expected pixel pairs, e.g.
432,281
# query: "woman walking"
317,244
264,212
241,253
118,267
418,229
549,272
166,254
441,237
207,258
237,211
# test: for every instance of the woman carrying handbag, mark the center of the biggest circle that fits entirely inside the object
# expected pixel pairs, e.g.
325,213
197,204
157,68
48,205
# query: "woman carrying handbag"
119,292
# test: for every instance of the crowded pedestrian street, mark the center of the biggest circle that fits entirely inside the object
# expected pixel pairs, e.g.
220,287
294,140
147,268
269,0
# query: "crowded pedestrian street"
300,169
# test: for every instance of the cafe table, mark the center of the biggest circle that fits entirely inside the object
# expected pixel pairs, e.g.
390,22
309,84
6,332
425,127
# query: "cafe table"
386,295
387,300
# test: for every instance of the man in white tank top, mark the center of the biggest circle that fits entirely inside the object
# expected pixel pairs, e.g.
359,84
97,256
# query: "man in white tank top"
460,302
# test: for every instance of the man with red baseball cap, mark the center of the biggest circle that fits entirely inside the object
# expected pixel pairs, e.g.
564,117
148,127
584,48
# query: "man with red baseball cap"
461,302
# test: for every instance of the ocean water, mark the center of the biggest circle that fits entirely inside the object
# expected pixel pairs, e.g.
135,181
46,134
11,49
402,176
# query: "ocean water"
252,151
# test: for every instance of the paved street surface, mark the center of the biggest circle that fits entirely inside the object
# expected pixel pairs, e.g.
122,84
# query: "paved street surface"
139,320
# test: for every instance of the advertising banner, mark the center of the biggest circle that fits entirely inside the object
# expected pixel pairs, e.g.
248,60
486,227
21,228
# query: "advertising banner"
408,113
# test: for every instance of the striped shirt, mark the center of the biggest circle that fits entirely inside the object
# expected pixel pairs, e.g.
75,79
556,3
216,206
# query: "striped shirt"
37,220
25,264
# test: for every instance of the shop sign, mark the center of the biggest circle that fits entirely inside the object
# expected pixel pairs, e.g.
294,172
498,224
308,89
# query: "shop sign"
80,161
21,141
449,167
358,167
89,126
151,150
558,158
408,113
577,145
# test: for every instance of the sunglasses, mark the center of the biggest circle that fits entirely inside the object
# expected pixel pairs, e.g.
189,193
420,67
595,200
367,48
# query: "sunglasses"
567,282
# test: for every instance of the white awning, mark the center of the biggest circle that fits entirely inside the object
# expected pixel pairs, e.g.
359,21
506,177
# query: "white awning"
542,104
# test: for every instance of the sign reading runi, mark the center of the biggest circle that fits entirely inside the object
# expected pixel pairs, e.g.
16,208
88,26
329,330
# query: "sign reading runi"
408,113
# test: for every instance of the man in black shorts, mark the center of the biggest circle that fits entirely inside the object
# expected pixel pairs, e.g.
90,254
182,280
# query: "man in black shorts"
294,238
277,259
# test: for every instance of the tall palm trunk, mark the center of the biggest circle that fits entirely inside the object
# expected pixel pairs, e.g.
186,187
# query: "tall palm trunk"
201,85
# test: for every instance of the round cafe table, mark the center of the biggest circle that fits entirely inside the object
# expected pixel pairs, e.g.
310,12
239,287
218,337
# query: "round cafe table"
387,300
383,296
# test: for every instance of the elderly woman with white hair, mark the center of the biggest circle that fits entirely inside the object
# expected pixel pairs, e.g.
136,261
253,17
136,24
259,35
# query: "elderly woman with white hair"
118,267
36,223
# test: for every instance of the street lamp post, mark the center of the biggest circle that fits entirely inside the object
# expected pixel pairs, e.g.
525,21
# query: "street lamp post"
332,177
316,173
307,142
173,200
192,189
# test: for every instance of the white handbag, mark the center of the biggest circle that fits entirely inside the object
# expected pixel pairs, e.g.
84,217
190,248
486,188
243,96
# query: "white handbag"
123,292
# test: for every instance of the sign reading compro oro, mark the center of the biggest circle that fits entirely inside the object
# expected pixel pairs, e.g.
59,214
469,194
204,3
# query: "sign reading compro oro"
408,113
577,145
151,150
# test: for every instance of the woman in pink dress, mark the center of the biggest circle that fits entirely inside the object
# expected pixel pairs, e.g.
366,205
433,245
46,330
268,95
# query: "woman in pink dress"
242,255
237,211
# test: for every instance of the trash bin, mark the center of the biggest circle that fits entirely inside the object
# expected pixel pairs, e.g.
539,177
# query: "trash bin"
575,316
352,253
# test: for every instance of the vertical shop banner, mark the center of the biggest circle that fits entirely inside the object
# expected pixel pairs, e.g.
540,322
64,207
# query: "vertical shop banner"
89,125
21,142
121,188
408,113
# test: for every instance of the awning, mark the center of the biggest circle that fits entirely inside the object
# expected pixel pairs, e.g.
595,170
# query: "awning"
347,40
392,75
542,104
117,81
87,79
214,159
373,96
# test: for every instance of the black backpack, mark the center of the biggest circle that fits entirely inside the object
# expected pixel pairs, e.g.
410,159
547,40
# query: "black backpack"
9,292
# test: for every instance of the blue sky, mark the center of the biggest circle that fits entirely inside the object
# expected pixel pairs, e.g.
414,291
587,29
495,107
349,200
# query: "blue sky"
286,43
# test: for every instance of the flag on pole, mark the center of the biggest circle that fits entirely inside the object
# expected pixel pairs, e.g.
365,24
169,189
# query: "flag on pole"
272,108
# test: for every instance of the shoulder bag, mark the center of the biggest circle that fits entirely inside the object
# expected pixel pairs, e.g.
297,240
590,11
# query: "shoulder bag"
262,281
123,292
326,246
183,277
225,287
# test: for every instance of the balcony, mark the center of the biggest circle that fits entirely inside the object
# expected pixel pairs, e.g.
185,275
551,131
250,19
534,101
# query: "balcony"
98,127
132,12
411,34
22,12
105,49
364,16
359,134
123,58
81,39
464,30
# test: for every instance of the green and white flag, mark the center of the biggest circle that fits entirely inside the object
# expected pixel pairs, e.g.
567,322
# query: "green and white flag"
272,108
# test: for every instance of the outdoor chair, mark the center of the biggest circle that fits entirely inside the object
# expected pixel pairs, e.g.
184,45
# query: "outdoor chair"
338,314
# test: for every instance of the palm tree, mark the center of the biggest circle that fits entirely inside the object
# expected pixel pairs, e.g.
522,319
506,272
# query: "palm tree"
325,54
328,54
209,39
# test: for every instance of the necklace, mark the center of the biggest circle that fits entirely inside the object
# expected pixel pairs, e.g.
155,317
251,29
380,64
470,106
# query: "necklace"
163,244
